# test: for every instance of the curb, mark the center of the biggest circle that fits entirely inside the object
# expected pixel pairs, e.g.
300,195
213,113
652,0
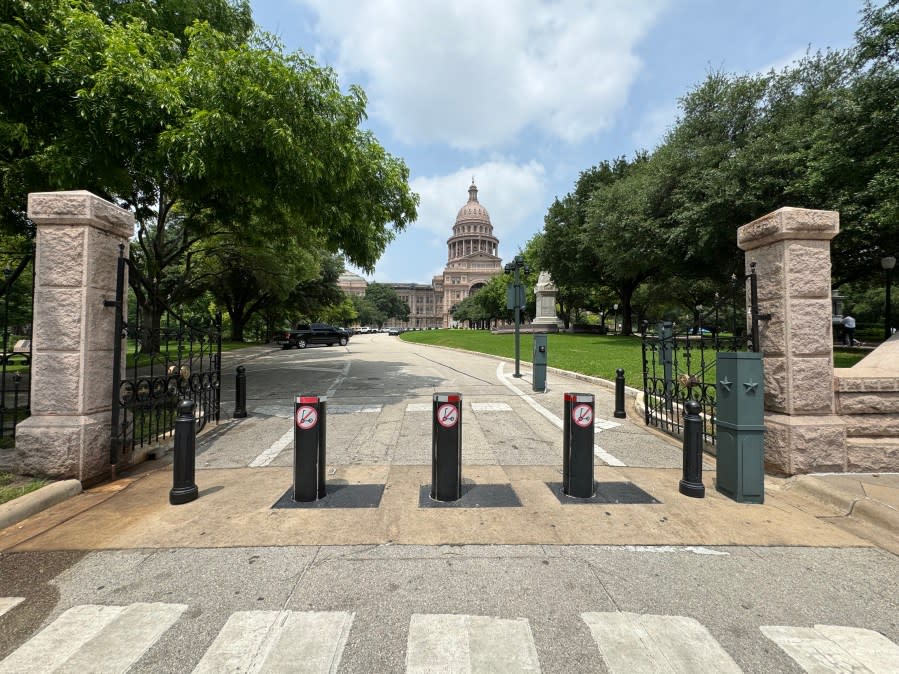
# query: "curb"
863,508
34,502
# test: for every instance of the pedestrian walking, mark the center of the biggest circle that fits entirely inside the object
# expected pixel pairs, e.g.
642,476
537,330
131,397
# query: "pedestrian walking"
848,330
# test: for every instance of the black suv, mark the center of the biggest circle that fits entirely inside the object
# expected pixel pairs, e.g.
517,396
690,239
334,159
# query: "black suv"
314,333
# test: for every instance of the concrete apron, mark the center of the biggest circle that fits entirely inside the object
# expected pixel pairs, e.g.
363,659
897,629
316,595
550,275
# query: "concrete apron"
235,509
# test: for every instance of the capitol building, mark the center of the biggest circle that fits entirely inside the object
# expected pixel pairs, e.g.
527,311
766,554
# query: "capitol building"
472,260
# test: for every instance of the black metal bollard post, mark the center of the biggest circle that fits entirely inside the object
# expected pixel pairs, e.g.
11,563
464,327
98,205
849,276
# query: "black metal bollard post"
619,394
184,489
577,445
309,448
691,484
240,393
446,447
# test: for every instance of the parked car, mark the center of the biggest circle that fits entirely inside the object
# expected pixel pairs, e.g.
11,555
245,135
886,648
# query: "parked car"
305,334
393,331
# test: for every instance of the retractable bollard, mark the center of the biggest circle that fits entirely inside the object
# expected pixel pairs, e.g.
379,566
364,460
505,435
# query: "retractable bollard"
446,447
577,446
240,393
309,448
184,489
691,484
619,394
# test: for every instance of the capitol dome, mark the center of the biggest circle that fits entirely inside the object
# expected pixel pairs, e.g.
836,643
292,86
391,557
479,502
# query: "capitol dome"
473,212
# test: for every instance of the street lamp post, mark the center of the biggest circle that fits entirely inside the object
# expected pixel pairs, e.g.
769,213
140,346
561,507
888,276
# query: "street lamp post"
615,319
515,300
888,263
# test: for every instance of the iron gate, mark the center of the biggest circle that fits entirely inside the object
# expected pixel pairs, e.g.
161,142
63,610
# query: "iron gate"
681,366
17,291
164,362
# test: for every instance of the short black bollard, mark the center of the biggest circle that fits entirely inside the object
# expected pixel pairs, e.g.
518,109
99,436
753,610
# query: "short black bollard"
309,449
446,447
240,393
184,489
691,484
619,394
577,446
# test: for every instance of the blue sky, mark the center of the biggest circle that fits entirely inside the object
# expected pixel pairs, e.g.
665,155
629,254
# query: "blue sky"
525,94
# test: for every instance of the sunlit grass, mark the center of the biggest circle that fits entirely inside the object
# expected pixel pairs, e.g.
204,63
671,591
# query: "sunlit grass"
594,355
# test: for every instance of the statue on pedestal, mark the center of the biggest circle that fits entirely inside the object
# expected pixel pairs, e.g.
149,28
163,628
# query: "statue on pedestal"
546,292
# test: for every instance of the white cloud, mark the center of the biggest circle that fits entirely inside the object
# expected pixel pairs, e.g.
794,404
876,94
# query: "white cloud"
511,193
475,74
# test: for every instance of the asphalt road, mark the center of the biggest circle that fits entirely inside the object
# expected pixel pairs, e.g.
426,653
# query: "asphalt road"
66,603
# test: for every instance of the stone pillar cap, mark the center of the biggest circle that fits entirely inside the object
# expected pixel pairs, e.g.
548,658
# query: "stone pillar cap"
789,223
79,207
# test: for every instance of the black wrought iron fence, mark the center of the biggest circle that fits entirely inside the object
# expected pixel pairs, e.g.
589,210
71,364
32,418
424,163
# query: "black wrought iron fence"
679,363
165,360
17,296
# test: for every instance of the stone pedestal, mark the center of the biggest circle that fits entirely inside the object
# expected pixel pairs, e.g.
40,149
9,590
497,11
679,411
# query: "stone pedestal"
791,250
546,319
78,239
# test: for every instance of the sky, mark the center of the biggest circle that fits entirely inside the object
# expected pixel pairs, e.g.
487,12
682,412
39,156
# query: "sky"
523,95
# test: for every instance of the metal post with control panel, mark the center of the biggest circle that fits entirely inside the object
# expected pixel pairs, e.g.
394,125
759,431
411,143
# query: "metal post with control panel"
309,448
539,362
446,447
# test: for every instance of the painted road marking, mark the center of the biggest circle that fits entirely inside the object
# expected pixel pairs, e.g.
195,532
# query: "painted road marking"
9,603
552,418
605,424
419,407
355,409
278,641
93,638
269,455
490,407
631,642
831,648
459,644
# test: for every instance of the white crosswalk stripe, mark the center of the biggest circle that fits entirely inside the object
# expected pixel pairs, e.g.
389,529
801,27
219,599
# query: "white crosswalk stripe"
832,648
9,603
98,638
94,638
605,424
419,407
633,642
278,641
463,644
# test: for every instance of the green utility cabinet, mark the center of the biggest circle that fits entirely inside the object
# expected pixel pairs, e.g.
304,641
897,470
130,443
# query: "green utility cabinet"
740,426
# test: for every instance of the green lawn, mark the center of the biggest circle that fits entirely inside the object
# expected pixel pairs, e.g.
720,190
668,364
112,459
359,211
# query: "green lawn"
12,486
595,355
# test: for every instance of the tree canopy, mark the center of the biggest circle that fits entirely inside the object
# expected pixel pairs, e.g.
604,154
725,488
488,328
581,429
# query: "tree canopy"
220,142
822,133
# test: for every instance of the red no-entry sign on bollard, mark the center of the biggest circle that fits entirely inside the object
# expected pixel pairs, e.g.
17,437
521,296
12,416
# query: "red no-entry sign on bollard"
446,447
577,445
309,448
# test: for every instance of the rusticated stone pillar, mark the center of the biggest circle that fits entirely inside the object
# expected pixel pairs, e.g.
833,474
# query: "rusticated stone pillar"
78,238
791,250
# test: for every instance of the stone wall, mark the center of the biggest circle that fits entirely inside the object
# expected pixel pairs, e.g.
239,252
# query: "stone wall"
816,419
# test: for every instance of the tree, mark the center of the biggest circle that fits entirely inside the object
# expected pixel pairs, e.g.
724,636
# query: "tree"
367,312
198,129
388,304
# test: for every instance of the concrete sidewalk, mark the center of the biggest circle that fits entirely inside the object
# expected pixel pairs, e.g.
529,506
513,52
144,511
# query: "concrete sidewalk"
637,505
